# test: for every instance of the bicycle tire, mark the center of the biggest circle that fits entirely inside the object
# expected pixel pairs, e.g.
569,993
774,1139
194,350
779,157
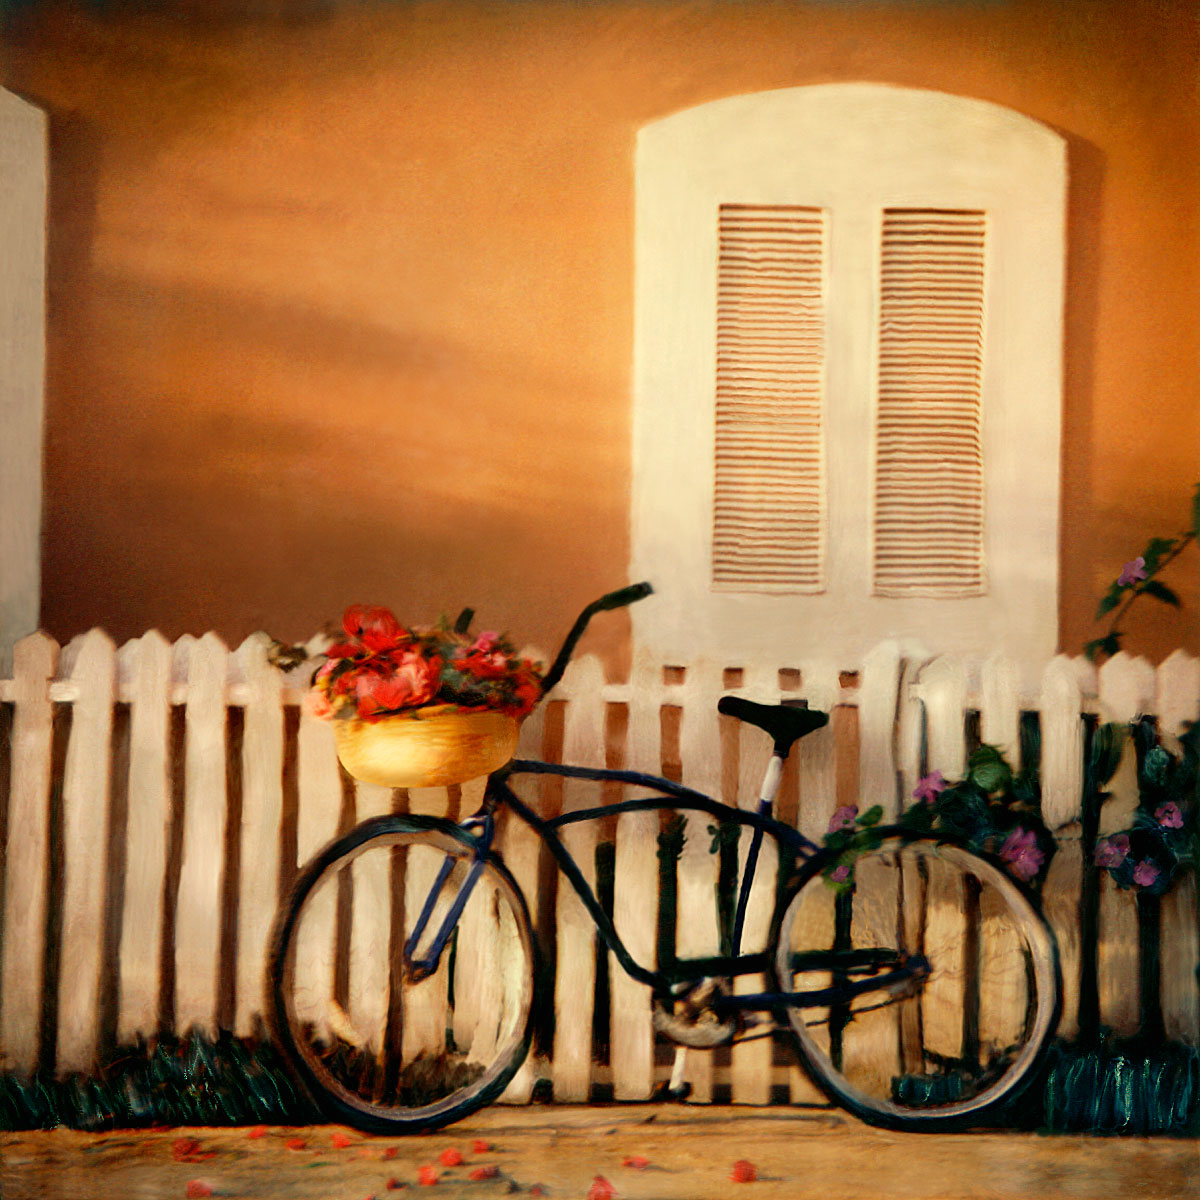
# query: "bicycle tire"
378,1049
921,1061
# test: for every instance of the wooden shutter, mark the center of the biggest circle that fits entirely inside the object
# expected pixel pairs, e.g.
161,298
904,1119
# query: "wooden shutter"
929,482
769,497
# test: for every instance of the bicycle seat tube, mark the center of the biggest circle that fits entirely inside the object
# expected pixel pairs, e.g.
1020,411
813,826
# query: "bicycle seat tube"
766,800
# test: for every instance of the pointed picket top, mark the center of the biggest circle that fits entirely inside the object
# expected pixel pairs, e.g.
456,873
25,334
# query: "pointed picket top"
943,688
181,654
1126,688
69,655
251,663
1000,710
1177,692
1061,767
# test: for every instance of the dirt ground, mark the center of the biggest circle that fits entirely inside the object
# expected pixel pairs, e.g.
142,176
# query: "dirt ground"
642,1152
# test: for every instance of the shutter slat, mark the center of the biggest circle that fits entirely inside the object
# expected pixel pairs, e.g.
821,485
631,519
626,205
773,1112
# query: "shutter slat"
929,447
769,497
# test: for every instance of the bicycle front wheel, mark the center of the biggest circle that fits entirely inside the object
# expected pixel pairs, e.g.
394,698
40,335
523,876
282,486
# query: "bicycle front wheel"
383,1046
941,980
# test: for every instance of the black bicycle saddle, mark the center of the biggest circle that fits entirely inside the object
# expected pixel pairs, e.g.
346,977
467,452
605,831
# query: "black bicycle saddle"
785,724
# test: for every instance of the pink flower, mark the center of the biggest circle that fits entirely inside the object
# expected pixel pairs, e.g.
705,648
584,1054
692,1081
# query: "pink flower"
1112,851
1132,572
485,643
1145,873
316,704
929,786
1022,853
843,818
1169,816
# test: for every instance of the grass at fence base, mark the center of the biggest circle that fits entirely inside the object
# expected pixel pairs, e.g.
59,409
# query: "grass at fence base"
1123,1088
194,1080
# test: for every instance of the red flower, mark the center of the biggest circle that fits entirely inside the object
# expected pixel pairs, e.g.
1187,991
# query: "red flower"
451,1157
185,1150
637,1161
377,628
197,1188
427,1176
390,1152
488,1172
297,1144
601,1189
743,1172
340,1140
257,1132
414,681
481,1147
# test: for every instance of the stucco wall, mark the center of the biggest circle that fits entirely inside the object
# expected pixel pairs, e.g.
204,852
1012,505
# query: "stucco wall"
340,294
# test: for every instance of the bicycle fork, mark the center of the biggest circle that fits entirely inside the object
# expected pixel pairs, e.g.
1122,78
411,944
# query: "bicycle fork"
421,968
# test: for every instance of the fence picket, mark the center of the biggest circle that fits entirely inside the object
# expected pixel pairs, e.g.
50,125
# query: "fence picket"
198,909
696,934
1178,702
34,660
817,784
319,805
1000,707
262,808
751,1060
878,689
85,851
575,970
522,853
1062,793
371,928
1126,691
635,904
148,815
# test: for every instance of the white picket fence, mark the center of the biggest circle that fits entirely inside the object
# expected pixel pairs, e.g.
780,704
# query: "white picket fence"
155,801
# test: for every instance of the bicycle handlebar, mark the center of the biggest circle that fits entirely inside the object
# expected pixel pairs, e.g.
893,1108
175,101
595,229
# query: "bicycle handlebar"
618,599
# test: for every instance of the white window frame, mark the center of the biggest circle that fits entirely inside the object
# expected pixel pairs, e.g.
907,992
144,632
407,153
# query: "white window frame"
853,149
22,365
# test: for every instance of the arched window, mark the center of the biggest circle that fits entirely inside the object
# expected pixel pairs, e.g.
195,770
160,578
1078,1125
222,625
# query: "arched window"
848,375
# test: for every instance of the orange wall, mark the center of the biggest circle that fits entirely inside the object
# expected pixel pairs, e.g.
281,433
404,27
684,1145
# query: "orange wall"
340,303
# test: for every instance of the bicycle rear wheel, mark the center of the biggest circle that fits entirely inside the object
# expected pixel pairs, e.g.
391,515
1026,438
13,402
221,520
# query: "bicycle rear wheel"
935,1050
381,1048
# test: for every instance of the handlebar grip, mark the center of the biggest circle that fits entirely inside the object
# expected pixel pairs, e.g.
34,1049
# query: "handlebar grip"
622,597
618,599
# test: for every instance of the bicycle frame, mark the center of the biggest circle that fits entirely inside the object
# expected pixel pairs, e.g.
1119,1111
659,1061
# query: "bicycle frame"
676,797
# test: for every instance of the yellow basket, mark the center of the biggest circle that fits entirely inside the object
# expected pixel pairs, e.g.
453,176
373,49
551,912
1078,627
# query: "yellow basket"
433,746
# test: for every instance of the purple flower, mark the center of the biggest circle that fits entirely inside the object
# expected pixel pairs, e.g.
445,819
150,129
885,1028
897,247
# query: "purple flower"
1145,873
1169,816
843,818
1132,572
1112,851
840,874
1022,853
929,786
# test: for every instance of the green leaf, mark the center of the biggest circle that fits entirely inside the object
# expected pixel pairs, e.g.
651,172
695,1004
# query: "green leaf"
1159,591
1109,645
872,816
1156,764
1111,599
1156,550
988,770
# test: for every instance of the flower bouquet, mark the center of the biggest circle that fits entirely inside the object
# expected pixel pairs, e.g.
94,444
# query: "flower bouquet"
422,707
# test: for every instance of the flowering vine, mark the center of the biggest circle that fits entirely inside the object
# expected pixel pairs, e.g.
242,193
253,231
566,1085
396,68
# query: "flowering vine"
1138,577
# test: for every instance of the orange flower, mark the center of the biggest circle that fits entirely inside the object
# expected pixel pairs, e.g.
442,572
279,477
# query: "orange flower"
744,1172
427,1176
451,1157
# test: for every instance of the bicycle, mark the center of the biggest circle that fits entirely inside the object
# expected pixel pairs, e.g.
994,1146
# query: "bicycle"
879,980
